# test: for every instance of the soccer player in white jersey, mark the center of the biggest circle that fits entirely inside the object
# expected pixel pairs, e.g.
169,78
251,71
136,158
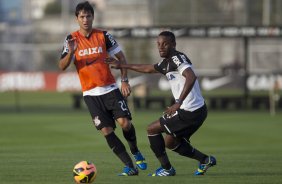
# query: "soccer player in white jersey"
182,119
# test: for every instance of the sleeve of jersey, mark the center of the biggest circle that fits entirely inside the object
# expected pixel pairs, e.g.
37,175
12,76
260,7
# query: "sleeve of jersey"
183,65
158,67
65,49
111,44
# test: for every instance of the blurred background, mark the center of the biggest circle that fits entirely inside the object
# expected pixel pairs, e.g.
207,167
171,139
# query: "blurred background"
234,45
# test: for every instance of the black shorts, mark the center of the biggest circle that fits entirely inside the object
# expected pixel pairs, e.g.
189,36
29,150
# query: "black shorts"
105,109
184,123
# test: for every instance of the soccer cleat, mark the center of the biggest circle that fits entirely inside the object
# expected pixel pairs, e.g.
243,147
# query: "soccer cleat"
209,162
127,171
140,161
163,172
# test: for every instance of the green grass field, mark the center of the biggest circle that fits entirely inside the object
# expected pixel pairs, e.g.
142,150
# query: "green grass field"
39,146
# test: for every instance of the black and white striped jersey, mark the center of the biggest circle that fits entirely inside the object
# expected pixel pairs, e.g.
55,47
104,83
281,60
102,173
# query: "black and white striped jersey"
172,68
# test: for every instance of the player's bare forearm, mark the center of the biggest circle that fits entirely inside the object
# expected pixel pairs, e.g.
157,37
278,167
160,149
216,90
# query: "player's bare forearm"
189,83
143,68
125,87
123,71
121,59
65,62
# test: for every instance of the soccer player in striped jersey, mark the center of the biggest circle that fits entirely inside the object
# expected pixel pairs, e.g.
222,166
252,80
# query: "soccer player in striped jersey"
87,48
182,119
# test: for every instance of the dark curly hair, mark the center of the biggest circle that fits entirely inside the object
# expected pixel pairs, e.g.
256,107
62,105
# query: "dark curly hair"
86,6
168,34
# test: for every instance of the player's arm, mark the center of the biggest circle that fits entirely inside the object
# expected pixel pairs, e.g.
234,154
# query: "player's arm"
121,58
114,50
125,87
67,53
65,61
190,79
143,68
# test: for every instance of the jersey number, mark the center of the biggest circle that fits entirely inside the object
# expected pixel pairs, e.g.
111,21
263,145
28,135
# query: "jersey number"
123,105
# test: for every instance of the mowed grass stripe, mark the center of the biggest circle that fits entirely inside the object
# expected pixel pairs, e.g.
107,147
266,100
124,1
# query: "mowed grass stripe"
44,147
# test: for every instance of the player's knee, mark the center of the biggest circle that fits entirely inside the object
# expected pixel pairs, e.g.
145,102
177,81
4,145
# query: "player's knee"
154,128
106,130
124,123
171,146
151,130
171,142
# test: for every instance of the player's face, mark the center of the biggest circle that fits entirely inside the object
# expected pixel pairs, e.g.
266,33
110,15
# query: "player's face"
85,20
165,46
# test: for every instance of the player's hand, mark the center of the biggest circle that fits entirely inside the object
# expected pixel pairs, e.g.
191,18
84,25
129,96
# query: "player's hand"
170,111
72,44
114,63
125,89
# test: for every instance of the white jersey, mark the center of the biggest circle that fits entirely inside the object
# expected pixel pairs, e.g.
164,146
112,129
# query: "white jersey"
172,68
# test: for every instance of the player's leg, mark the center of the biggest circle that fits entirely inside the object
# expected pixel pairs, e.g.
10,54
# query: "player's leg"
157,145
130,135
184,148
121,113
119,149
104,122
199,116
183,129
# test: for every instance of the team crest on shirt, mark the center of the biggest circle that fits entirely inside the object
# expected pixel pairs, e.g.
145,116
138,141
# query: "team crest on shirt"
96,121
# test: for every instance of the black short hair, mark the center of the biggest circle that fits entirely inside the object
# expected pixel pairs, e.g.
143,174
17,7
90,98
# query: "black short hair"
86,6
168,34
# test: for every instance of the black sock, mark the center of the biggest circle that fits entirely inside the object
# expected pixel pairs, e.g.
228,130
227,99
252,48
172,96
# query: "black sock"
185,149
130,136
201,157
119,149
157,145
165,163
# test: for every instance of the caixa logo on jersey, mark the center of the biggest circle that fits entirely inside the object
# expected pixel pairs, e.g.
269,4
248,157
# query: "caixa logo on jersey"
90,51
